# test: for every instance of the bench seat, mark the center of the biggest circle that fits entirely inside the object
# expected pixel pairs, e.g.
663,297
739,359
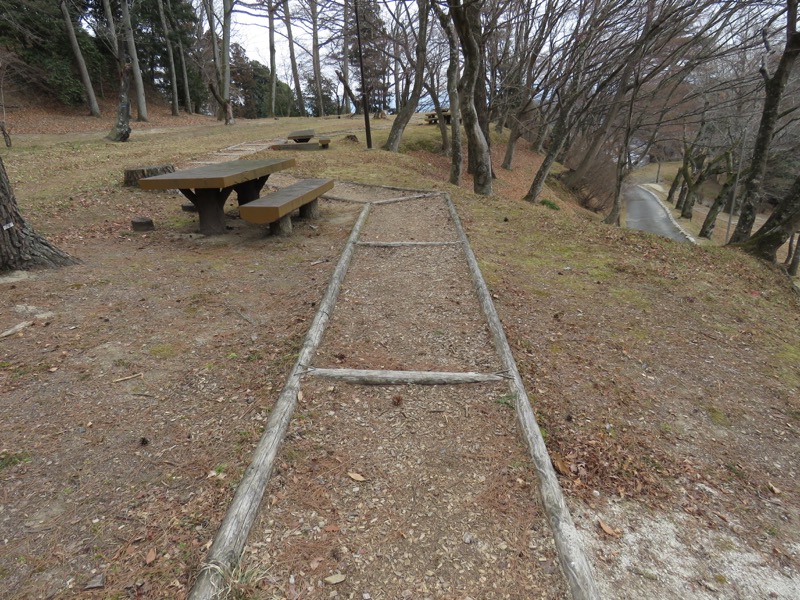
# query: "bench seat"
278,205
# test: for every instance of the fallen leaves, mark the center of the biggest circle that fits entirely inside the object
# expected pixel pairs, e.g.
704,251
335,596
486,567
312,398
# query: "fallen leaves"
607,529
356,476
151,556
334,579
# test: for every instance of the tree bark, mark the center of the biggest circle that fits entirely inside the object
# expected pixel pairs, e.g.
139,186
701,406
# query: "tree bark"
94,109
408,109
315,58
556,144
345,55
21,248
719,203
456,156
122,130
773,94
477,145
783,222
141,104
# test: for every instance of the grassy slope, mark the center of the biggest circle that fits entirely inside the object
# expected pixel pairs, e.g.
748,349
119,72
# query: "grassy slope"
638,351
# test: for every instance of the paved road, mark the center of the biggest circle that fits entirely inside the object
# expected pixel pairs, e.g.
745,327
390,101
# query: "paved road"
646,213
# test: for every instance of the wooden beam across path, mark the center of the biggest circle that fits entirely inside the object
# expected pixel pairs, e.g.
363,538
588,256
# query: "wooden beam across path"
382,377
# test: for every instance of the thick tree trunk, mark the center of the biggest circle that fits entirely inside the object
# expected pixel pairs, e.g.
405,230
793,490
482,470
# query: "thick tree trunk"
173,77
225,84
408,109
94,109
141,104
673,188
21,248
785,220
122,129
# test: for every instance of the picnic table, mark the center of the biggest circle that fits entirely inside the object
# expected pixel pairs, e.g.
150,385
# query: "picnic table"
433,118
302,136
209,187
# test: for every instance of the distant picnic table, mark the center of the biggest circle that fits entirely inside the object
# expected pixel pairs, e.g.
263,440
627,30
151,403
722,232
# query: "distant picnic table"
302,136
209,187
433,118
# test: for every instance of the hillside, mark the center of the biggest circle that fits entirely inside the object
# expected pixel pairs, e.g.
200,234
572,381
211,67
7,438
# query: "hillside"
665,377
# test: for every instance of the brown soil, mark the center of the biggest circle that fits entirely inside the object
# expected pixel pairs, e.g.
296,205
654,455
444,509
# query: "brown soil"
664,378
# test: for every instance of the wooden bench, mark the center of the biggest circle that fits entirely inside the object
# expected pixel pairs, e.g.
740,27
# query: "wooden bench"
302,136
277,207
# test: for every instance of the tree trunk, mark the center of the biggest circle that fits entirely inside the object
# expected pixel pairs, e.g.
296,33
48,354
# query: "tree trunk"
785,220
719,203
141,104
792,268
345,54
522,115
556,144
21,248
790,251
477,144
225,84
682,197
673,188
94,109
315,59
122,130
456,157
184,73
186,92
273,68
171,59
408,109
773,94
301,105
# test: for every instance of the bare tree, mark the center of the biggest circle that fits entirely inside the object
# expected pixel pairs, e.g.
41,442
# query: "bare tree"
775,84
408,109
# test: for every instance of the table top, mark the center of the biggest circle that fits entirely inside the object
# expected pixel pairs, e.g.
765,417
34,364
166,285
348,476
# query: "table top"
303,134
217,175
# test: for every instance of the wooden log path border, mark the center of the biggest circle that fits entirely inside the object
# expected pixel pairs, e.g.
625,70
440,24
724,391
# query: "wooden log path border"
571,556
380,377
229,542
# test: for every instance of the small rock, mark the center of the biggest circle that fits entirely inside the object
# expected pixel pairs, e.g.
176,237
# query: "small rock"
96,583
469,538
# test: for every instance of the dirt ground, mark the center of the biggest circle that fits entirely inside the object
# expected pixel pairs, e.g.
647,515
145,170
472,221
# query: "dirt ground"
665,379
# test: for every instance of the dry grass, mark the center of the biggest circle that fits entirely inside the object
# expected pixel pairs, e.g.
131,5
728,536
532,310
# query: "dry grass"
633,348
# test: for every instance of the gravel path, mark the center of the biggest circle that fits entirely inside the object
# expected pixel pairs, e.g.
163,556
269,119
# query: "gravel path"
390,492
